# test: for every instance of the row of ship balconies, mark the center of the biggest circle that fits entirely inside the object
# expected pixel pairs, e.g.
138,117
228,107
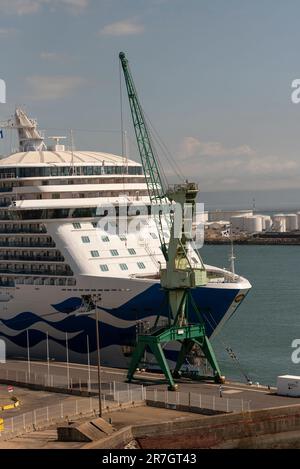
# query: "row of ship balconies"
8,186
14,281
34,228
7,201
27,242
53,256
33,269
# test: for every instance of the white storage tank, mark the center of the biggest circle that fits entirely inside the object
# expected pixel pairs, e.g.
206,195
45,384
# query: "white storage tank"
298,218
263,222
266,222
279,222
253,224
288,385
237,223
291,221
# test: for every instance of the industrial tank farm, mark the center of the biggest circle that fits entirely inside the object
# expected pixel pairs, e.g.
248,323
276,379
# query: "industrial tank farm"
249,227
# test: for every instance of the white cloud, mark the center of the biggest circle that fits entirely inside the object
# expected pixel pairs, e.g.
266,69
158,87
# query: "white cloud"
20,7
75,6
27,7
218,167
123,28
7,32
49,55
76,3
192,146
52,56
53,87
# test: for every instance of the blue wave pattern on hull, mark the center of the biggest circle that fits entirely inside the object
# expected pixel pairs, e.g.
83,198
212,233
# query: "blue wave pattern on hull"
213,303
109,335
68,306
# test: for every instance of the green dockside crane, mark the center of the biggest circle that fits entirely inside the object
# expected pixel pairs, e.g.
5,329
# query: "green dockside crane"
178,278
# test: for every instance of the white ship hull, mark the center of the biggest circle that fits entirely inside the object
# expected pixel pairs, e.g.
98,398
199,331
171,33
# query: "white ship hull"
124,303
56,254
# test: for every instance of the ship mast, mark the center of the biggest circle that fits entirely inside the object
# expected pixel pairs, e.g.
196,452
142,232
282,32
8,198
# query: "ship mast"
30,139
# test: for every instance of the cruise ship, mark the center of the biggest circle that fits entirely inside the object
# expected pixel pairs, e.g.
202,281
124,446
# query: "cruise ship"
59,262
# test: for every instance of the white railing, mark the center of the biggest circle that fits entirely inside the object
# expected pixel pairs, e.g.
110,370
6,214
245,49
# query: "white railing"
196,402
113,395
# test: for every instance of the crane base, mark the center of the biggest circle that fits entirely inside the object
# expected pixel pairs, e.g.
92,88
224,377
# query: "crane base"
188,336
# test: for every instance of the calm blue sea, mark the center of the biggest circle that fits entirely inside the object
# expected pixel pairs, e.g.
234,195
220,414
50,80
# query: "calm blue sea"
263,328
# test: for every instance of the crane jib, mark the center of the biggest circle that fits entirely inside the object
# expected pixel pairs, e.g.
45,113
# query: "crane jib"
150,165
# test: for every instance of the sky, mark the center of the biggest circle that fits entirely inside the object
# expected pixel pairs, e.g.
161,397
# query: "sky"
214,77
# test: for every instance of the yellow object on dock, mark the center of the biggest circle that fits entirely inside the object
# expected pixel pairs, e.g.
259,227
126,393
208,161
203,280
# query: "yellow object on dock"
1,425
11,406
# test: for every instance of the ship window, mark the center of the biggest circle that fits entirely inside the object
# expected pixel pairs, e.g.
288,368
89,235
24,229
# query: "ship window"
85,239
114,252
77,226
154,236
55,196
132,251
95,253
94,224
104,267
195,260
123,237
141,265
123,266
105,239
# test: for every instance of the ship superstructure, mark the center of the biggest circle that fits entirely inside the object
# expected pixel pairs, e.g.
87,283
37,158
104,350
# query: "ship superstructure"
60,244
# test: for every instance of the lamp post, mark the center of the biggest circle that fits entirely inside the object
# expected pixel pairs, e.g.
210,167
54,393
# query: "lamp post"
48,357
95,299
28,354
98,358
68,363
89,362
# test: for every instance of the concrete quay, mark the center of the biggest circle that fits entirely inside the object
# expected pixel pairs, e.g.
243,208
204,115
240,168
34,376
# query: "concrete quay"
272,421
260,397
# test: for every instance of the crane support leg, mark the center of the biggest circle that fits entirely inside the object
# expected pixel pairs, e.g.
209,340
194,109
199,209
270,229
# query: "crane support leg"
208,351
135,360
163,364
158,352
186,347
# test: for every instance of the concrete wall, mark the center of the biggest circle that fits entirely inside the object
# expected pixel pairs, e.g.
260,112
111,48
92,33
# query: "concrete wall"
260,428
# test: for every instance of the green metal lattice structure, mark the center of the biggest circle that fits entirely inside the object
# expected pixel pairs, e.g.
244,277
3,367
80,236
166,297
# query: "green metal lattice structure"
178,278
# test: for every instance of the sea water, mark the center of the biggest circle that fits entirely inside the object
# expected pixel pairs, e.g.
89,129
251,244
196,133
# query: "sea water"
264,326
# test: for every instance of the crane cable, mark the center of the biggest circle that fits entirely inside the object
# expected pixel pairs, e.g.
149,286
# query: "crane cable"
227,348
124,157
164,149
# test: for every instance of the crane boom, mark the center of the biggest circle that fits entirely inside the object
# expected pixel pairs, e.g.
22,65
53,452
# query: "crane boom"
146,150
154,181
